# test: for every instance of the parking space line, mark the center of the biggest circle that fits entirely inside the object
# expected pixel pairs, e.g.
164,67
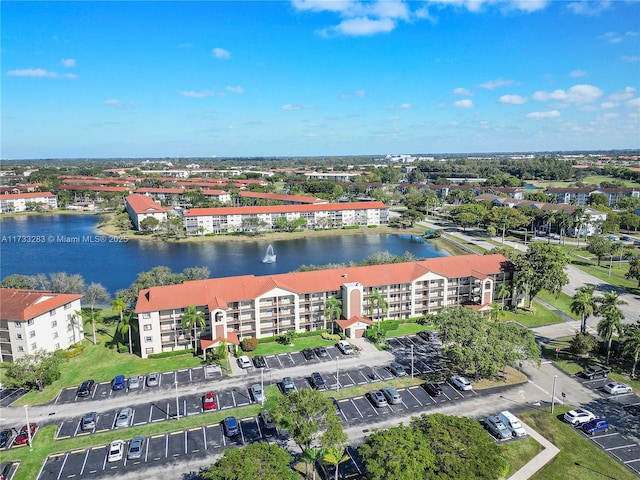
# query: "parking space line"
166,446
621,446
411,393
204,435
631,461
84,463
63,464
356,407
366,380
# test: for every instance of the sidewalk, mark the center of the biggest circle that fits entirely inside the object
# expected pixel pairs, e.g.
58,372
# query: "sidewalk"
539,461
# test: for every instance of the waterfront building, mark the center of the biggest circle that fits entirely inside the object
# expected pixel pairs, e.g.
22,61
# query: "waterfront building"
32,320
140,207
266,306
22,202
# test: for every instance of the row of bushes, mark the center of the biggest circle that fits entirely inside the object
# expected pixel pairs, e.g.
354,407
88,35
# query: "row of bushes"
174,353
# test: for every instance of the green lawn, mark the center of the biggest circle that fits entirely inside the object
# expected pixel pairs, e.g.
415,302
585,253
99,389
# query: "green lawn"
539,316
578,457
562,302
519,453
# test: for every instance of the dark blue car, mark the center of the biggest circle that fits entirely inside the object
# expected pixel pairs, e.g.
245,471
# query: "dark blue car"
118,383
230,426
596,425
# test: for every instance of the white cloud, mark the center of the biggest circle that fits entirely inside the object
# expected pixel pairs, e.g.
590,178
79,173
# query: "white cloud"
630,58
221,53
576,94
40,73
530,5
578,73
322,5
493,84
236,89
634,103
538,115
625,94
290,107
402,106
606,105
589,7
611,37
512,99
361,26
193,94
466,103
462,91
68,62
113,102
360,93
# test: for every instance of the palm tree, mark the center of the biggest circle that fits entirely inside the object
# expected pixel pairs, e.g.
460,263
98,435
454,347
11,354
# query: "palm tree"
631,345
579,221
311,455
502,291
193,318
333,310
378,301
550,219
583,304
125,326
74,321
564,222
611,323
335,456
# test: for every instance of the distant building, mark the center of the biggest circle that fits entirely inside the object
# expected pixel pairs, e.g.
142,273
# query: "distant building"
266,306
580,195
140,207
280,198
33,320
22,202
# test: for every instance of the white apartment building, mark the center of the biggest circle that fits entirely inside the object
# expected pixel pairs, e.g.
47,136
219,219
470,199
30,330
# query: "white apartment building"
33,320
140,207
21,202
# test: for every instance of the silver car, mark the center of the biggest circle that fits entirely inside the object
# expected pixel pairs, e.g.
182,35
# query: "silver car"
257,393
392,395
497,428
153,379
377,398
134,382
88,422
135,448
123,419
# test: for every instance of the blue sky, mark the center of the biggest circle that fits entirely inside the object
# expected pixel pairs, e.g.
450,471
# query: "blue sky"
307,77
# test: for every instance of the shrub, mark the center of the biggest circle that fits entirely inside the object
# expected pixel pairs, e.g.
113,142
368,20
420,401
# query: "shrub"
249,344
583,343
389,325
174,353
330,336
73,350
351,227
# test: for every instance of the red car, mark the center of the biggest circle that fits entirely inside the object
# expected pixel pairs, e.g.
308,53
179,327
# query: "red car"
209,401
23,436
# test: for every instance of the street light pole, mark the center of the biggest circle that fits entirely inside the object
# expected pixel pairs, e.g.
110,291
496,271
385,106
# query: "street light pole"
26,412
411,361
553,394
262,385
177,402
337,377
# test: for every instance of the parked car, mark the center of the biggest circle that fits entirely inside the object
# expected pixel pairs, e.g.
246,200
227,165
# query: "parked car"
88,422
616,388
426,335
257,393
117,383
595,371
244,361
288,385
432,389
344,347
318,381
135,448
461,383
578,416
377,398
209,401
596,425
134,383
153,379
116,451
259,361
511,421
23,435
308,354
321,352
5,437
230,426
123,419
392,395
497,428
86,388
397,369
267,420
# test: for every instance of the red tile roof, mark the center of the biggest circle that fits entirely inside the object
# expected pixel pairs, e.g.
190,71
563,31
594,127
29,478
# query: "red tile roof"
255,210
343,324
22,305
143,204
304,199
18,196
219,292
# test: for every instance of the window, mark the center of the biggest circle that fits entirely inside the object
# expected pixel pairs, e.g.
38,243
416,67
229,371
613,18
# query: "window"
20,348
148,339
54,324
69,317
18,336
30,322
33,346
147,327
146,315
69,327
17,324
55,335
52,312
70,339
57,346
67,306
32,334
148,350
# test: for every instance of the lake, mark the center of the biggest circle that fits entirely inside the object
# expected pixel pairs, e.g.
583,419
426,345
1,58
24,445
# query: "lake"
73,244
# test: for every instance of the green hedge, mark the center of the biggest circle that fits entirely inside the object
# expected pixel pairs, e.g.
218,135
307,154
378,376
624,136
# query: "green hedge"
351,227
332,337
174,353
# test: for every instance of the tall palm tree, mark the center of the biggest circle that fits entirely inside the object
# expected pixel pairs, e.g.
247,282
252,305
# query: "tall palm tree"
611,323
193,319
125,326
550,219
631,345
564,222
502,291
380,304
310,456
583,304
335,456
579,221
333,310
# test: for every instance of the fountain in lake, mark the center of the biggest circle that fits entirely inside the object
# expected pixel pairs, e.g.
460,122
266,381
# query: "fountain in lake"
269,257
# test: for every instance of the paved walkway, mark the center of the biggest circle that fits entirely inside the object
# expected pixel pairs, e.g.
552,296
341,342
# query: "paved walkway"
539,461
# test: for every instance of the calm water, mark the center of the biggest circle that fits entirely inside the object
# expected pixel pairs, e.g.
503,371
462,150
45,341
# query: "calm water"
116,265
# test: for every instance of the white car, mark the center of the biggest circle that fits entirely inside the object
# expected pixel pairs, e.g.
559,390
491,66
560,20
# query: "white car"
578,416
616,388
244,362
116,450
461,383
344,347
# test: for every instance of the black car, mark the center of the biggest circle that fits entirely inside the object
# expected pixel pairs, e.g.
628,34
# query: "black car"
318,381
259,361
397,369
432,389
308,354
288,385
5,437
321,352
425,335
86,388
595,371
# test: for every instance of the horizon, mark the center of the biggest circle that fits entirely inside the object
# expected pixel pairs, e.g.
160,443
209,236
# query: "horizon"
317,78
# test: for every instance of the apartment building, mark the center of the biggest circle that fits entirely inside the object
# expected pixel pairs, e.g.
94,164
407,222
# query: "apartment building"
140,207
201,221
264,306
580,195
32,320
21,202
